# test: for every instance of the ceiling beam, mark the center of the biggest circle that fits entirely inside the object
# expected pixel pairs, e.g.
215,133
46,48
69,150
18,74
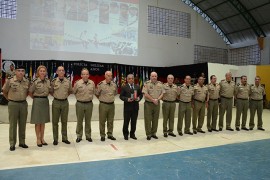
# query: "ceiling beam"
240,30
215,6
228,17
199,2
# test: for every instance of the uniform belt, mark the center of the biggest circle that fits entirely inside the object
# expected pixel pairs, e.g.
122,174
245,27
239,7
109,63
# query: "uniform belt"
242,99
185,102
17,101
149,102
84,101
40,96
256,99
199,101
106,102
60,99
226,97
213,99
168,101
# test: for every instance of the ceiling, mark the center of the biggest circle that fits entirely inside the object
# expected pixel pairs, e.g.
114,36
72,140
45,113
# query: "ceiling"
239,20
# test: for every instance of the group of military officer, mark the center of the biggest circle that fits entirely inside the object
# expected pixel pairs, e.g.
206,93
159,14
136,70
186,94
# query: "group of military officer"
196,98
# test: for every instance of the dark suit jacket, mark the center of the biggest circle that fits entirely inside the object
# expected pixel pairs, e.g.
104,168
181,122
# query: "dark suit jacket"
126,92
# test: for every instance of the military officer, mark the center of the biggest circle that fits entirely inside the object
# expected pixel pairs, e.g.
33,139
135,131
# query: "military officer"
11,71
61,88
168,106
153,93
84,89
16,90
200,98
227,87
242,91
106,92
184,109
257,92
212,110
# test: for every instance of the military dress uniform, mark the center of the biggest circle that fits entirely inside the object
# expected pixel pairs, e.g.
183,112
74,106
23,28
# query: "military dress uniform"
256,104
199,97
168,107
184,109
106,93
40,89
84,92
151,110
17,92
60,89
226,103
212,110
242,103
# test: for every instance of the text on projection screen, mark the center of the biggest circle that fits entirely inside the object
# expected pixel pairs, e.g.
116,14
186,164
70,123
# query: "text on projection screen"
87,26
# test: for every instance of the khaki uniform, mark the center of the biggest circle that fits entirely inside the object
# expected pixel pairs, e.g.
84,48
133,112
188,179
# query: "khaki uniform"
184,109
226,102
17,92
106,94
241,94
151,111
200,96
256,104
10,74
84,92
60,106
212,111
168,106
40,109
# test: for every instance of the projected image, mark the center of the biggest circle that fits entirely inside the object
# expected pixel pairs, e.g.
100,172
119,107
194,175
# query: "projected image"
88,26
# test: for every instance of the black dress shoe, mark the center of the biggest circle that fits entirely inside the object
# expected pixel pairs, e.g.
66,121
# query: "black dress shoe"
89,139
126,138
237,129
261,129
133,137
12,148
244,128
215,130
220,129
172,134
250,129
102,138
209,130
78,140
148,138
66,141
39,145
194,132
180,134
55,142
45,144
111,138
189,133
229,129
154,136
23,145
165,135
201,131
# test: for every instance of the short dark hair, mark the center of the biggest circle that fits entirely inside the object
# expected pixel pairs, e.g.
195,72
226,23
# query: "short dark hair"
211,77
243,76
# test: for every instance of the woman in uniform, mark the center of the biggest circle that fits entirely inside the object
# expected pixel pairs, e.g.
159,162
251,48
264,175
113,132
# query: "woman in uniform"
39,91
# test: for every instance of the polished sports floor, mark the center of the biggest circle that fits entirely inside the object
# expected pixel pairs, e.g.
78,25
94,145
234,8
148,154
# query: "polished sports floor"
216,155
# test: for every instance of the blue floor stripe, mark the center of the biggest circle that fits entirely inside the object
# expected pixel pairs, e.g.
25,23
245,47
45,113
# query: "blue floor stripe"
249,160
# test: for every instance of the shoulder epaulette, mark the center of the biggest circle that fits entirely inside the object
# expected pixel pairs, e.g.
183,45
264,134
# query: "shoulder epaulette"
10,77
53,79
252,85
238,84
34,79
146,82
100,82
159,82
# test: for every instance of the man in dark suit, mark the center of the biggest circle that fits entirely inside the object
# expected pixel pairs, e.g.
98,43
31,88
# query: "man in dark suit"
131,95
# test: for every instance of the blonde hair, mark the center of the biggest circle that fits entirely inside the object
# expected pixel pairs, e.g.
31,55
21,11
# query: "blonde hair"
40,67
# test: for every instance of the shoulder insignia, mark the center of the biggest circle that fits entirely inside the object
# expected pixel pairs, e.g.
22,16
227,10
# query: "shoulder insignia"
252,84
100,82
34,79
238,84
10,77
53,79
